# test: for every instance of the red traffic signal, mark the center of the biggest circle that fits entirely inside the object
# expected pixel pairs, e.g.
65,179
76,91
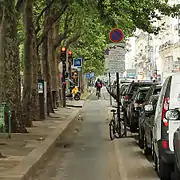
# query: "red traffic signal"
63,54
70,52
63,49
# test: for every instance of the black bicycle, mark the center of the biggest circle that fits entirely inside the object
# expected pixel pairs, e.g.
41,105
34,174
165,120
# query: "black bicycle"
117,128
114,126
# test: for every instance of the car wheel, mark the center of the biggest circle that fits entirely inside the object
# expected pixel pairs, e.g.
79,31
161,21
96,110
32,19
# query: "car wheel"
77,97
155,161
164,170
141,139
147,151
152,150
176,173
133,128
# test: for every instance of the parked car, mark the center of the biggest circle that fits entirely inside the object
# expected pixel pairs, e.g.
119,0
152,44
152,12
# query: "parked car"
123,88
177,154
166,122
146,123
122,95
131,89
113,89
154,90
135,106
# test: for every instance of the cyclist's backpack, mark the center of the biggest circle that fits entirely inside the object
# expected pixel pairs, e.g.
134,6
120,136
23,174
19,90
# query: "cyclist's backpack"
99,85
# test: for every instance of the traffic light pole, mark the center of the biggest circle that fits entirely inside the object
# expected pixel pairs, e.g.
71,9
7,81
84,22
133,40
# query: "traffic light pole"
64,83
63,60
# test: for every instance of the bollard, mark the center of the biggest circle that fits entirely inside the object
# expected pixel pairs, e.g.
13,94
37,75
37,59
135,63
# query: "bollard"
2,117
9,121
6,109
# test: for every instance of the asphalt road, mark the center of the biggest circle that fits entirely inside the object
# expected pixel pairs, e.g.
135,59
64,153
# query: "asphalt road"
85,151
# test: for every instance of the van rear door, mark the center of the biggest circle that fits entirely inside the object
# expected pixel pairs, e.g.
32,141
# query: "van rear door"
174,103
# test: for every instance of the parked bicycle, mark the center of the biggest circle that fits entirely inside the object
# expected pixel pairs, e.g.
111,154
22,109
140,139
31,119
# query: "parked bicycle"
117,128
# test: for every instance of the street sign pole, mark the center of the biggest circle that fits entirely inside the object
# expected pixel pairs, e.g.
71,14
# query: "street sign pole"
64,84
110,88
118,105
77,62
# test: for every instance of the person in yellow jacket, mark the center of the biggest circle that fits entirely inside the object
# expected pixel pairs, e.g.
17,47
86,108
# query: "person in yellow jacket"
75,90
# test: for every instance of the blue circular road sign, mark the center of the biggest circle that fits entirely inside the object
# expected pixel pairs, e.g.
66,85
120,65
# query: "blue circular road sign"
116,35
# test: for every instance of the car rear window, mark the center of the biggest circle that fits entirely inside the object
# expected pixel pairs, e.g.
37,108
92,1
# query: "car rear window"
136,86
141,95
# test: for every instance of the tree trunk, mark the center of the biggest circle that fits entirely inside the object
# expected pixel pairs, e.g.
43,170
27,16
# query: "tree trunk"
54,66
2,23
51,64
28,59
59,82
35,69
46,65
12,80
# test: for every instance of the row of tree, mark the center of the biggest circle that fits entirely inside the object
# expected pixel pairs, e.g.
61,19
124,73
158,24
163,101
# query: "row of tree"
32,31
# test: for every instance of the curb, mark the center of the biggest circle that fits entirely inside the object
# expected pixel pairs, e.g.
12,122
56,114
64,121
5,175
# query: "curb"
85,98
121,170
27,168
76,106
88,96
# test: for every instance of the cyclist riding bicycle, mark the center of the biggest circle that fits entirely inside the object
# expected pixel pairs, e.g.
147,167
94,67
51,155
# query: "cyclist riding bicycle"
98,86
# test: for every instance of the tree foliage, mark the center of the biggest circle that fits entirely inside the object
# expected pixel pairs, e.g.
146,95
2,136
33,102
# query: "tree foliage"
85,25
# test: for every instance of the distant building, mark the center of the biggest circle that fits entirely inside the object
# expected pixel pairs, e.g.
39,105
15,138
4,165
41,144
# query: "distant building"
156,56
169,44
130,53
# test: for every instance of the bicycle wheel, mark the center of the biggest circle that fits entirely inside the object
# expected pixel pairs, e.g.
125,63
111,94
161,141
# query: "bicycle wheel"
98,94
119,129
111,130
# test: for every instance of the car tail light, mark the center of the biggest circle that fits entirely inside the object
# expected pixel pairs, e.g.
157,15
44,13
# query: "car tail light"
165,144
165,108
126,98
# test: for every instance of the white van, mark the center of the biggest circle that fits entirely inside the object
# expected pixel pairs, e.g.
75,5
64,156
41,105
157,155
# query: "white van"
167,120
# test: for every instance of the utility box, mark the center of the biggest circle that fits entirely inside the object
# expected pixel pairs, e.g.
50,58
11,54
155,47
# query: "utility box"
41,98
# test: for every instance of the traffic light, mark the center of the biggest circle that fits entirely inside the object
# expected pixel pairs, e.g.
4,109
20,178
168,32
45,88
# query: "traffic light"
63,54
70,53
70,56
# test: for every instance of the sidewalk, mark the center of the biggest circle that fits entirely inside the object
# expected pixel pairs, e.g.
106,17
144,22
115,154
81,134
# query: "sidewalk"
23,152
